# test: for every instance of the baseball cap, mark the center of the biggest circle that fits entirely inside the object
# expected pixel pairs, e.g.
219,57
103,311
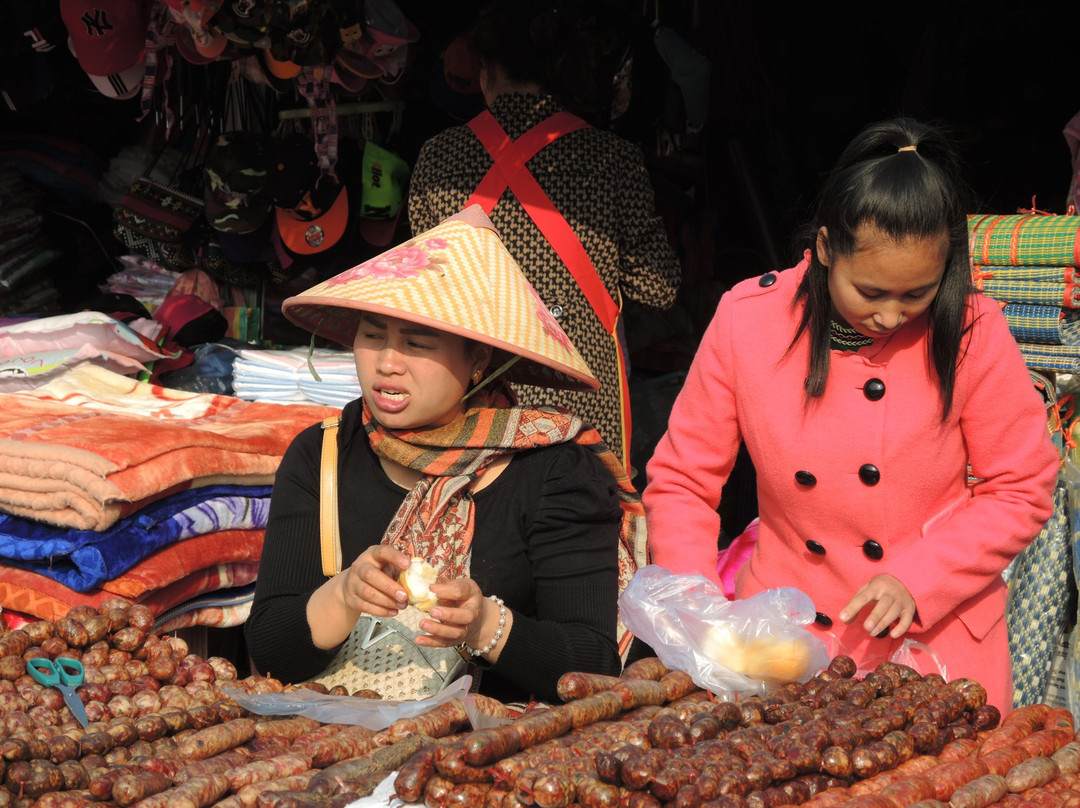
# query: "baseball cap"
312,211
108,38
455,84
280,68
302,33
235,183
390,31
31,32
384,179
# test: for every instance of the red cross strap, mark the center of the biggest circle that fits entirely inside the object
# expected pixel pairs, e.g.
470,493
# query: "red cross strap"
509,170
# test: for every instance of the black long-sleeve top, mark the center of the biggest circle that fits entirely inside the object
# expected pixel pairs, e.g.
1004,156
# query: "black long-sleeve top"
545,540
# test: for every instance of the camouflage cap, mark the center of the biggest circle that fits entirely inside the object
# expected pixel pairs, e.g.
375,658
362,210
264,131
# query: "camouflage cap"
235,183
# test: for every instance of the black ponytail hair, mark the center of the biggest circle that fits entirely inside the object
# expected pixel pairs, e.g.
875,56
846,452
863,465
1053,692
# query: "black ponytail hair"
543,43
903,177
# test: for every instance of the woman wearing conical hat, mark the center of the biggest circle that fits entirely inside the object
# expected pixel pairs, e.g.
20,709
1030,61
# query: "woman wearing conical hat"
520,510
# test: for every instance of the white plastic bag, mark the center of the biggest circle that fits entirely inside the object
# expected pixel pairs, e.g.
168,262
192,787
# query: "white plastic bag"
733,648
375,714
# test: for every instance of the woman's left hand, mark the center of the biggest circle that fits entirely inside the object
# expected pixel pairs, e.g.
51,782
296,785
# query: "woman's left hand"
892,603
458,616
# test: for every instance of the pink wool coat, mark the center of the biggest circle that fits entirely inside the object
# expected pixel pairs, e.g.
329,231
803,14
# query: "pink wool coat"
865,479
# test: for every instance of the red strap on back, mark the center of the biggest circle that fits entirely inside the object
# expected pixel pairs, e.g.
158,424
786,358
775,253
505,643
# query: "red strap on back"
509,170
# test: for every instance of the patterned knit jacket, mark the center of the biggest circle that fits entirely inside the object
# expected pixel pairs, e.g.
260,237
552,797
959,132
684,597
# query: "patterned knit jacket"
599,183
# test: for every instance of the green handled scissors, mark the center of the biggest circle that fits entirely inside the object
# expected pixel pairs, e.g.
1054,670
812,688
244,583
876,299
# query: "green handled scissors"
65,674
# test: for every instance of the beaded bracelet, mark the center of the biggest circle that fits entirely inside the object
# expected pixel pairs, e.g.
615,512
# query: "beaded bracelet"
487,649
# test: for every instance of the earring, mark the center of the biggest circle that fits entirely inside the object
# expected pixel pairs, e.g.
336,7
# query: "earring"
477,376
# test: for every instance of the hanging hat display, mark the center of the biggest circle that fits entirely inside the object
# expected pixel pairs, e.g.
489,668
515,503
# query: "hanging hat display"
456,277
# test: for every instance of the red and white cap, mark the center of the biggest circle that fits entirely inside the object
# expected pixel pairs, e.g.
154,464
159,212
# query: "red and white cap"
108,38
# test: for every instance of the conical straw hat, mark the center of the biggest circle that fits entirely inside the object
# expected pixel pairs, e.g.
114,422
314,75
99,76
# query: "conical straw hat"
457,277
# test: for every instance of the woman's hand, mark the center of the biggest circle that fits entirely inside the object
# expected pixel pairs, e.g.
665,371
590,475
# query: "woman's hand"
892,603
369,585
459,615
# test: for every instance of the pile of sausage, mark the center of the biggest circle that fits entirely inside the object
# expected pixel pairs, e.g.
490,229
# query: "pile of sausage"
650,738
162,732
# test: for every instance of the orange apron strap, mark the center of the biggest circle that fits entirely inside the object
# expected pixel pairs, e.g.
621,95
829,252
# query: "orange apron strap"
508,166
508,170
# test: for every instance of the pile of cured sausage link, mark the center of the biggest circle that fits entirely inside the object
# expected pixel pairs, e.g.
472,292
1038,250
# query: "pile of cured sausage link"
651,738
163,733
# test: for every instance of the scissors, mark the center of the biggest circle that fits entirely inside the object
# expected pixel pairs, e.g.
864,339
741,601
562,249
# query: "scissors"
65,674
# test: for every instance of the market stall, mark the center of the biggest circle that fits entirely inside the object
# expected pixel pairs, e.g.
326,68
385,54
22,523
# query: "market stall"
166,727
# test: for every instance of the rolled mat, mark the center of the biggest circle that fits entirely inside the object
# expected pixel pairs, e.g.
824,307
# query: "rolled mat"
1060,358
1024,239
1050,325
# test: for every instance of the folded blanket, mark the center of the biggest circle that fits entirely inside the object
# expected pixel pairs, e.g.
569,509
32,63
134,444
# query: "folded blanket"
1024,239
1050,325
84,559
161,581
221,609
82,450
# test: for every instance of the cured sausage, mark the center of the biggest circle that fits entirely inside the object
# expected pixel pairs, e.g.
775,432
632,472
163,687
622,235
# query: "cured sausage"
130,788
645,668
273,768
980,792
911,789
198,792
214,740
351,742
286,729
1036,771
1068,758
575,685
249,794
414,774
950,776
1045,742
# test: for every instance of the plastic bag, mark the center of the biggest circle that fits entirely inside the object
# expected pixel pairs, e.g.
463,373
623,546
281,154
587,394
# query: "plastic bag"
375,714
733,648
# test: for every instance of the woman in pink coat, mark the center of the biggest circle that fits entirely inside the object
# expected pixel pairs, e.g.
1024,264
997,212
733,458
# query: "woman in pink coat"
901,450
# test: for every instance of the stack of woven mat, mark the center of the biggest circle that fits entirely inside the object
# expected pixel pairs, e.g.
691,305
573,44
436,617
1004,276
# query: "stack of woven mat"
1028,262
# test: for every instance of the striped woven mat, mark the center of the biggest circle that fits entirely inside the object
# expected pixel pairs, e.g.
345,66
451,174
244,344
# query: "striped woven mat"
1040,286
1058,358
1024,239
1050,325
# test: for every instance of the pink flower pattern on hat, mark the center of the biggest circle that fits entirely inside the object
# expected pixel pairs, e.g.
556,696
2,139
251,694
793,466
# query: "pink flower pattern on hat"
406,261
549,323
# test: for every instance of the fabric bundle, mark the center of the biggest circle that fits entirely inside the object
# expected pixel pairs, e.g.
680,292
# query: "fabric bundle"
111,487
284,376
1028,263
92,446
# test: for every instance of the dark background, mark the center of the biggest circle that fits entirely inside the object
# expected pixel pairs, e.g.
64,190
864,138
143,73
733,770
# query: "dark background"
790,85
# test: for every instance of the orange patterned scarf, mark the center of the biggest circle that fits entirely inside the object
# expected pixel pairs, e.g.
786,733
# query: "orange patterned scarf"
437,518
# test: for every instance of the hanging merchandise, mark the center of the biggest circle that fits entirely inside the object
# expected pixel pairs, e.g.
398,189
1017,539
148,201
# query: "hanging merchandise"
108,38
162,220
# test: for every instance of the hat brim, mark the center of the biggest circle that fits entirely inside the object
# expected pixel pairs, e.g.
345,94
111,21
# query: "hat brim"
457,277
121,86
311,313
311,236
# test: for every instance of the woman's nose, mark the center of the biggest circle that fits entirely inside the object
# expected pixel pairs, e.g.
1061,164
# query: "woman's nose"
890,316
388,361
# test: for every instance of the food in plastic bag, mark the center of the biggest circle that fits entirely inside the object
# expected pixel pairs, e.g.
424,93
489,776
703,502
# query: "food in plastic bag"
733,648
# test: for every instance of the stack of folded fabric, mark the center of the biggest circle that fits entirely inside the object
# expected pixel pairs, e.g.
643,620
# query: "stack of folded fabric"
285,376
1028,263
111,487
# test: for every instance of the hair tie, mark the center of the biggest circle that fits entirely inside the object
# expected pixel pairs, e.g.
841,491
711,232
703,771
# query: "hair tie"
907,148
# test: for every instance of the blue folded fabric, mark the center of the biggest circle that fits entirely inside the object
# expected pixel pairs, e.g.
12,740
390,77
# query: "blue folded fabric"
84,559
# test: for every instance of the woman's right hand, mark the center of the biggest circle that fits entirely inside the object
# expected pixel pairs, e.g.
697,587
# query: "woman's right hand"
369,585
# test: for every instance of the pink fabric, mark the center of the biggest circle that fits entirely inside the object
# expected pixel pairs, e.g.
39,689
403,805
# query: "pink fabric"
945,541
732,558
